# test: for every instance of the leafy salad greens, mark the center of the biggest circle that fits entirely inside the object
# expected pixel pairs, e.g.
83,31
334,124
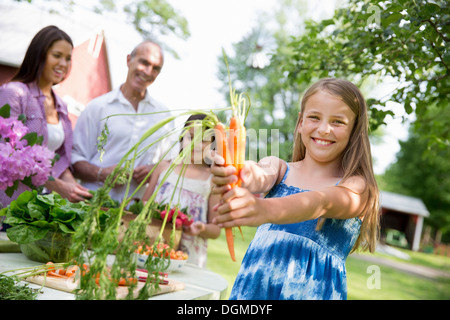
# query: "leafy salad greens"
32,216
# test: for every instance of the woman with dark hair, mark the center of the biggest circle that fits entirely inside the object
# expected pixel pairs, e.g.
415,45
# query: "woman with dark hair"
47,62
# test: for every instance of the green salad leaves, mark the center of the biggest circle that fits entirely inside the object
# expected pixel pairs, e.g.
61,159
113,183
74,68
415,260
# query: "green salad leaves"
32,216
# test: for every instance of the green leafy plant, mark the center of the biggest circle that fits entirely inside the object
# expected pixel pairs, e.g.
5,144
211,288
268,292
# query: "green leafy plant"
95,237
94,240
11,289
43,225
33,215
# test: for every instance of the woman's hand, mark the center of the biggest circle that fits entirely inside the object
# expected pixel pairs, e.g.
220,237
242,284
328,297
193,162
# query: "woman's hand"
69,190
67,187
241,208
74,192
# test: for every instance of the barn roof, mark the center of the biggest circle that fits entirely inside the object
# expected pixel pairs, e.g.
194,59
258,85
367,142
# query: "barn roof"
20,21
402,203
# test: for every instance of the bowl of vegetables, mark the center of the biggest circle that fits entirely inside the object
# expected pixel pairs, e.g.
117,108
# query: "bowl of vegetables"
177,258
43,225
54,246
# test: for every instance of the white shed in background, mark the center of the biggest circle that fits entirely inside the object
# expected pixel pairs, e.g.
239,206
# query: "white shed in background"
405,214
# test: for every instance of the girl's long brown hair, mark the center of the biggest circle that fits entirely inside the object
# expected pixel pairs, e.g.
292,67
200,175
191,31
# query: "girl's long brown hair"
357,158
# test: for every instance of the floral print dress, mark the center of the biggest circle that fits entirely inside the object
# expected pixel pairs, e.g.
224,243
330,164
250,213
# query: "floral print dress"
193,194
296,261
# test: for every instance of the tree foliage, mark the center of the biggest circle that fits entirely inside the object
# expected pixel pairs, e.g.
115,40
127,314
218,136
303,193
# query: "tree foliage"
275,100
428,178
368,42
151,18
406,40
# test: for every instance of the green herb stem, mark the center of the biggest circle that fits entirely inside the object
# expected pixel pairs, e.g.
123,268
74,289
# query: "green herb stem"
26,272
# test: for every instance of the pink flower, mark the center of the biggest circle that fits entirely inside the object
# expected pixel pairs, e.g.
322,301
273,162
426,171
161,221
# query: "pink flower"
18,160
42,164
12,131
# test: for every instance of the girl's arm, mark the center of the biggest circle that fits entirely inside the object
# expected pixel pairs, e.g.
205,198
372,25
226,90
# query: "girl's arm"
213,231
340,202
256,177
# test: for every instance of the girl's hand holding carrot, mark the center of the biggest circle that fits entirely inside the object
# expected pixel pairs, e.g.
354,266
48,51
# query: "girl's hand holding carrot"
242,208
256,177
223,176
239,205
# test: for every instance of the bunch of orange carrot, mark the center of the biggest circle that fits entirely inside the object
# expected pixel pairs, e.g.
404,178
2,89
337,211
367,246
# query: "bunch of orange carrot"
232,149
232,146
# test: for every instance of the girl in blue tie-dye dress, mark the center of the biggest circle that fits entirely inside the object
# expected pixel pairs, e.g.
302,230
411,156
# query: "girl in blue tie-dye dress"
317,209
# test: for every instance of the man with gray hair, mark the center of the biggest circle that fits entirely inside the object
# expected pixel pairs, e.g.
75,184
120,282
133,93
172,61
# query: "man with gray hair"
132,97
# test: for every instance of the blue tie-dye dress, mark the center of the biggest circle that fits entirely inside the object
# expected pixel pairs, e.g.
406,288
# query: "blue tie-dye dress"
295,261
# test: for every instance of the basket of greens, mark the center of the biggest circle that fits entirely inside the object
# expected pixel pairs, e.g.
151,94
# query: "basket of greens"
43,225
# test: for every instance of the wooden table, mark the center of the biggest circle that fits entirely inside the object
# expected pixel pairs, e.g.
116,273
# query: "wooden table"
200,284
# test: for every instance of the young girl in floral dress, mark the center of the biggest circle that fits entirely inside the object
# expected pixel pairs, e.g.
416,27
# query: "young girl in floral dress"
191,190
317,208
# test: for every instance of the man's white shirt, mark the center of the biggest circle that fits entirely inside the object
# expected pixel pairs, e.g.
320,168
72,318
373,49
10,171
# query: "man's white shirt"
126,128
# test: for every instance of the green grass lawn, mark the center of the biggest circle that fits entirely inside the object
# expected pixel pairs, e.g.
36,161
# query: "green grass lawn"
395,284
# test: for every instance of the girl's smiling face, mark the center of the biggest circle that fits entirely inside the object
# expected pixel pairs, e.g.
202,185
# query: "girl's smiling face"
326,126
201,151
57,63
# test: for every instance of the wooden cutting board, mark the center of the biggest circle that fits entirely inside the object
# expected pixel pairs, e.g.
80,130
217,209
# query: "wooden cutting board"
69,285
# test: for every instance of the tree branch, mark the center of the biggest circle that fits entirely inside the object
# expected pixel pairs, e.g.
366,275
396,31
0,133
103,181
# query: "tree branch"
446,39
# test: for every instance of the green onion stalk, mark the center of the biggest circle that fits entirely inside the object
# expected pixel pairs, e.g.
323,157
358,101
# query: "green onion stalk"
97,237
11,287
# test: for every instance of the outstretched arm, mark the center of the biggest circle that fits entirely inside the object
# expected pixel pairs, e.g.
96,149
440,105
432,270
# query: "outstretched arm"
345,201
256,177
